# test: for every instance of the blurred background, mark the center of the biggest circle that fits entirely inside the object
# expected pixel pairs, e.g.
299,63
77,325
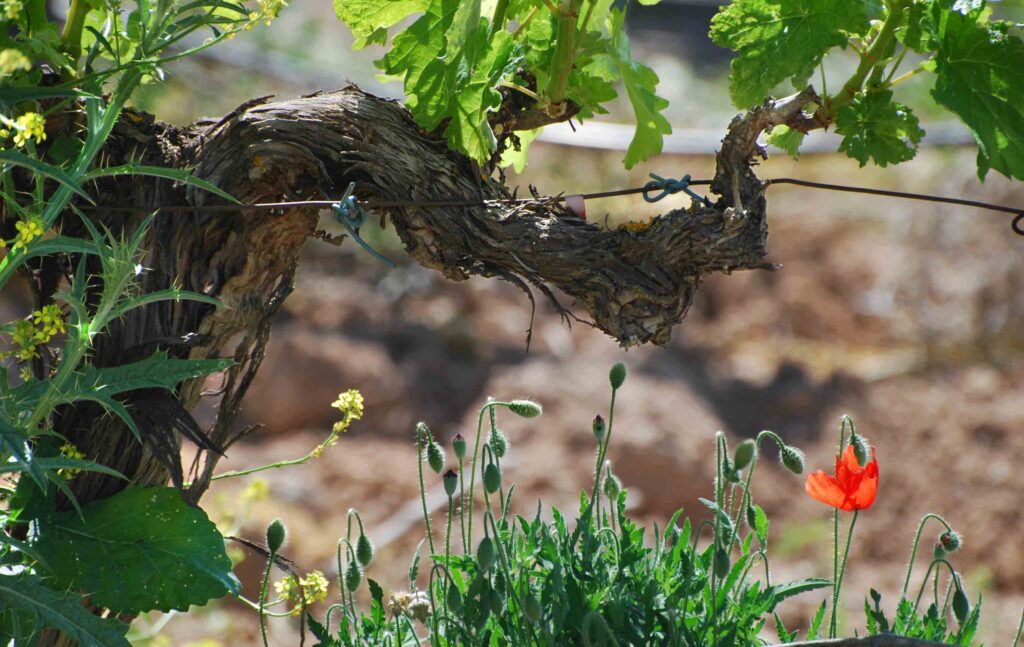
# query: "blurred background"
907,316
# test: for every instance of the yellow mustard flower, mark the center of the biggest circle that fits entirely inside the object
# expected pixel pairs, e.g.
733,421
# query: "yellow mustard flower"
50,322
350,404
12,60
29,125
13,9
68,450
304,591
29,228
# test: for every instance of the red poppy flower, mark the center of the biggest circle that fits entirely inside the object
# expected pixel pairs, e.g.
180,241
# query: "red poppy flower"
852,488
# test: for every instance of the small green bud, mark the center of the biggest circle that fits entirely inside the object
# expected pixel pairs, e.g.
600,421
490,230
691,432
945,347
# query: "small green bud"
498,442
938,552
729,471
435,456
721,562
751,516
496,601
672,537
275,535
492,478
364,550
531,609
951,541
485,554
459,446
525,408
792,458
453,598
451,482
599,428
617,375
353,576
961,607
423,435
612,486
745,453
860,448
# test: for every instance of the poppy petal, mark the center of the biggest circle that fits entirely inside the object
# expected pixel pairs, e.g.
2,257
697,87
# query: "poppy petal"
864,495
825,488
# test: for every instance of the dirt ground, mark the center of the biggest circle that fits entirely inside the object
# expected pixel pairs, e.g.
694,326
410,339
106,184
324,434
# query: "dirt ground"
909,318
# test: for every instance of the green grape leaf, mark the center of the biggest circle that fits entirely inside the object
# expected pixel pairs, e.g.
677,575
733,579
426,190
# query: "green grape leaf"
517,158
782,39
418,56
641,84
980,78
27,605
787,139
369,20
468,131
918,31
876,128
139,550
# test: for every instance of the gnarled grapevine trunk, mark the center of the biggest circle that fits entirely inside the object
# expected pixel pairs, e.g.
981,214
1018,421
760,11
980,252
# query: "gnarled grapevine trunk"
635,286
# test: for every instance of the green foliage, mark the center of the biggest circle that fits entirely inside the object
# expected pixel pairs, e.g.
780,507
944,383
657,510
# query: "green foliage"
782,40
139,550
876,128
933,625
528,581
977,65
28,604
457,58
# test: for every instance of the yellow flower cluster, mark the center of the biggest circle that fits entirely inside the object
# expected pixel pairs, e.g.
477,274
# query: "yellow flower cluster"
636,226
29,229
68,450
350,404
304,591
256,490
11,61
267,11
39,329
28,126
12,9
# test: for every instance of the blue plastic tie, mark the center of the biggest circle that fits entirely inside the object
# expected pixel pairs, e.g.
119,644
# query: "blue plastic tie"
350,214
669,186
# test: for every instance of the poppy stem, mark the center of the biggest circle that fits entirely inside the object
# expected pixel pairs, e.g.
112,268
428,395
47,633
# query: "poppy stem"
917,541
838,582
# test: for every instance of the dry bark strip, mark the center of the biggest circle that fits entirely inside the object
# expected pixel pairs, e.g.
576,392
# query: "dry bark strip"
635,286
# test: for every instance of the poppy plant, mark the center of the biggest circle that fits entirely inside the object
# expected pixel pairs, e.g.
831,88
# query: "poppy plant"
852,488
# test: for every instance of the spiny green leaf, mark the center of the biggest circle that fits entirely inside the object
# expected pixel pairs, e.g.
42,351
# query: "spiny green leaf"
42,168
30,598
139,550
641,85
877,128
980,77
370,19
781,39
178,175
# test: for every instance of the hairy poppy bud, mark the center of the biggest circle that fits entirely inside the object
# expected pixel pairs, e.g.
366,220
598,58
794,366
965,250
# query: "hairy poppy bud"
729,471
744,454
612,486
364,550
275,535
961,607
531,609
721,562
860,448
485,554
451,482
950,541
938,552
453,598
459,446
435,456
423,434
751,516
353,576
599,428
617,375
492,478
525,408
498,442
792,458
